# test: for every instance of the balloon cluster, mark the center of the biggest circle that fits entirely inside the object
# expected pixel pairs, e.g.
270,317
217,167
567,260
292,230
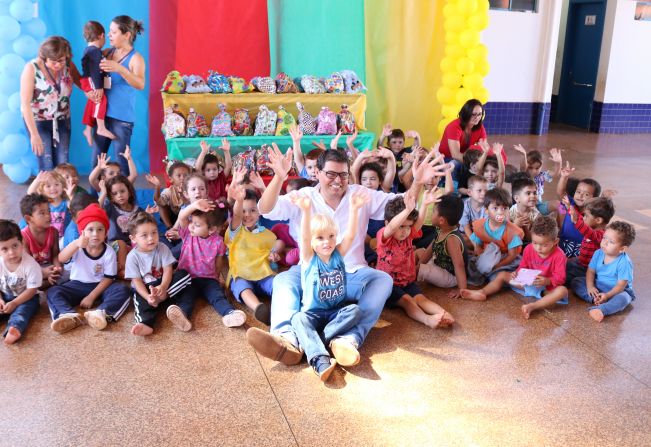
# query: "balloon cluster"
466,59
20,33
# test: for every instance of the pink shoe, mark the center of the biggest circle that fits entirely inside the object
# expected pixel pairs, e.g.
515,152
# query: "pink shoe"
293,256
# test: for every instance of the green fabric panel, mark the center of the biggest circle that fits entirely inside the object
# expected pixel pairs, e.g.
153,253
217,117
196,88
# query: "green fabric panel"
316,37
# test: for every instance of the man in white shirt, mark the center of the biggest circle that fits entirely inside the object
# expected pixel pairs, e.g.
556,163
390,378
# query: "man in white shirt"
370,288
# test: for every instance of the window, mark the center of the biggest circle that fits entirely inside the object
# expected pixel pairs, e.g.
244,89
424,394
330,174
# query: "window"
643,11
514,5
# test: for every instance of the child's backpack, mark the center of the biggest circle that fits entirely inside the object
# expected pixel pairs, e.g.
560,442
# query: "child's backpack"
221,123
196,125
262,160
264,84
218,83
245,160
284,84
239,85
265,122
173,82
242,122
285,121
306,122
327,122
195,84
334,83
173,123
346,120
312,84
352,83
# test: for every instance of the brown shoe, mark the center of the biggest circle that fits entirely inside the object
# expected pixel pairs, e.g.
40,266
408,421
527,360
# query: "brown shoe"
273,347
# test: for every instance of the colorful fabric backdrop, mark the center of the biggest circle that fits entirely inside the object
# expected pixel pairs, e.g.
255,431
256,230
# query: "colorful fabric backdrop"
394,46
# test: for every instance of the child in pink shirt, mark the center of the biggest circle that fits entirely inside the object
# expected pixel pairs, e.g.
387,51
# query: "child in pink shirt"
542,254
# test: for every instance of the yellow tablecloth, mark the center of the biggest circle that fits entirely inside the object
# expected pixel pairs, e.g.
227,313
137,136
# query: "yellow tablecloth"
206,103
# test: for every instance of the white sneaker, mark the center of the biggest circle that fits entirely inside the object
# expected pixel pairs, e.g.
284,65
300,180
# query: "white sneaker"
96,319
178,318
234,319
66,322
345,351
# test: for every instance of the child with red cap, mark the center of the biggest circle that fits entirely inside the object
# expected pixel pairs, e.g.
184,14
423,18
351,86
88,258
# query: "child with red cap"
92,277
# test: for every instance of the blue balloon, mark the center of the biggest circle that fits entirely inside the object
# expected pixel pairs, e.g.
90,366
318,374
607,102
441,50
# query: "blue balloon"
9,28
34,27
11,65
4,9
26,46
6,46
10,122
21,10
30,160
9,85
4,102
16,145
17,172
14,102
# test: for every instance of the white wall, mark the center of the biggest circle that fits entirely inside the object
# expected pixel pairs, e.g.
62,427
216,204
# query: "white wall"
560,47
522,48
624,65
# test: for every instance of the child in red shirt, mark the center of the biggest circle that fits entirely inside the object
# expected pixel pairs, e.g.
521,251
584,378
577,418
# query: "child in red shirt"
395,252
209,164
542,254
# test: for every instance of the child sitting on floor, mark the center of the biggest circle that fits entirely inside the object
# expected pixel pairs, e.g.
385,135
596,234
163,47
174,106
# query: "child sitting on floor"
20,278
473,206
71,176
172,198
92,277
524,212
286,246
497,242
443,263
532,162
382,158
40,238
79,202
608,283
323,314
107,169
493,167
592,224
395,141
53,186
150,269
543,255
396,257
209,164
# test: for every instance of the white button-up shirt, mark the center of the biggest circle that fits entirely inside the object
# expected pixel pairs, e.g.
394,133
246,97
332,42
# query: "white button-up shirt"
374,209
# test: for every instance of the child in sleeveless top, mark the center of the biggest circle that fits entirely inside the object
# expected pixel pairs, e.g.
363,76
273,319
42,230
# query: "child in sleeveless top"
209,164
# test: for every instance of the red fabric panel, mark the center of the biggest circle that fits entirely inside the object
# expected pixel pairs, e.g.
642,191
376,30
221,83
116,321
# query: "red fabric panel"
231,37
162,60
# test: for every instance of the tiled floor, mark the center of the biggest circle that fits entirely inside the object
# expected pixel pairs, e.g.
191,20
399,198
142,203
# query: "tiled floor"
494,379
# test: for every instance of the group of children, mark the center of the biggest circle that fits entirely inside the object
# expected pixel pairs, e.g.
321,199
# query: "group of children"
80,248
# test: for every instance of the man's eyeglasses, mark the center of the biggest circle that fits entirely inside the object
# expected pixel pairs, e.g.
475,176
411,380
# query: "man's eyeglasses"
333,175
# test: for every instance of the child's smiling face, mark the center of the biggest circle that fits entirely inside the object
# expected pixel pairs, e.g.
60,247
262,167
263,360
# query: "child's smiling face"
583,193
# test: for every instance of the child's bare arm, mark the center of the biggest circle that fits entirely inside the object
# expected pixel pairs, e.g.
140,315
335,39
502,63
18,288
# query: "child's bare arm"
33,187
335,141
93,178
512,254
140,287
350,144
430,198
204,205
155,182
357,166
304,203
102,193
205,148
399,219
228,161
523,162
619,288
561,188
299,158
449,183
357,201
133,171
556,157
389,176
498,148
238,193
70,249
454,248
386,131
220,267
415,135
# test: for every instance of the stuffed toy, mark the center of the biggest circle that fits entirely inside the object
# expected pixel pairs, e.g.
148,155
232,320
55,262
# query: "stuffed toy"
174,82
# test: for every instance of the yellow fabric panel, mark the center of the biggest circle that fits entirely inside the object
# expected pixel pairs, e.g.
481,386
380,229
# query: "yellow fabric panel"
248,254
404,47
206,103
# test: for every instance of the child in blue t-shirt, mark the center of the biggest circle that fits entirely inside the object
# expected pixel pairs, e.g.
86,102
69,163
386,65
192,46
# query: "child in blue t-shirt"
323,279
609,280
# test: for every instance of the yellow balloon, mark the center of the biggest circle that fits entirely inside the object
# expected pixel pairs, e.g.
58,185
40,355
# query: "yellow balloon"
483,6
451,80
472,81
478,53
449,10
455,51
462,95
451,37
448,65
467,7
469,38
465,66
449,110
454,23
478,21
445,95
482,67
481,94
442,125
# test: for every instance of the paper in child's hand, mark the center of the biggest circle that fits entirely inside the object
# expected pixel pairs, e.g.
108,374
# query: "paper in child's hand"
526,277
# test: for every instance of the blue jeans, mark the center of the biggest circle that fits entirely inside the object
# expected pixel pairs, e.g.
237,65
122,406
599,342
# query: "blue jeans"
261,287
616,304
21,315
122,131
368,287
213,293
53,153
309,326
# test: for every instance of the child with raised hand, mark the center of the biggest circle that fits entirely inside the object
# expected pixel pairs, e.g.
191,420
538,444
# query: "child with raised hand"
92,277
396,143
150,269
524,211
532,163
586,189
53,186
608,283
542,254
443,263
379,157
203,256
592,225
396,257
40,239
107,169
172,198
428,228
473,206
471,158
250,249
493,167
79,202
497,242
20,278
323,315
209,164
305,163
118,198
71,176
